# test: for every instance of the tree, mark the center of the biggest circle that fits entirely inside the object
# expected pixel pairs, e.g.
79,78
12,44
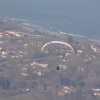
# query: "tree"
70,39
5,84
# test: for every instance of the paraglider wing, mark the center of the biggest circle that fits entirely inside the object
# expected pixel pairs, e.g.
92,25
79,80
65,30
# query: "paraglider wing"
61,42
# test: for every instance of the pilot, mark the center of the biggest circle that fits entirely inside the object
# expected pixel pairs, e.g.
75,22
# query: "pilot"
57,67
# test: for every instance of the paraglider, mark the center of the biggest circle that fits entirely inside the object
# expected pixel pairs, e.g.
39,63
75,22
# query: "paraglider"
60,42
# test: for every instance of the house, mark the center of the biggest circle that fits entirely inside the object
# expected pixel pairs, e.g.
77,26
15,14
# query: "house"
39,64
49,87
31,43
62,66
27,90
79,68
87,59
60,56
39,73
18,35
24,69
14,56
24,74
63,60
3,56
26,45
1,47
68,87
79,51
65,89
1,35
67,54
61,93
42,71
96,93
95,89
94,47
13,32
5,52
23,52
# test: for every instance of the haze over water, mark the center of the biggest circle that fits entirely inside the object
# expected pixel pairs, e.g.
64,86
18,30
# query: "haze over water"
78,17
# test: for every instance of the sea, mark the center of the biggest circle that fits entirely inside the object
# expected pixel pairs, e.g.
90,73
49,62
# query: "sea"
79,18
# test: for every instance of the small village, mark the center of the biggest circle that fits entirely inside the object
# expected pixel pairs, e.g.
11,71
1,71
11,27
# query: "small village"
24,68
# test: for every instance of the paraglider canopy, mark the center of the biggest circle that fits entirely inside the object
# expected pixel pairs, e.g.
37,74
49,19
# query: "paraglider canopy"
60,42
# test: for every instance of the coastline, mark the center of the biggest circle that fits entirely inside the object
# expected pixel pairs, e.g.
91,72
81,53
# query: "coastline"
25,24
